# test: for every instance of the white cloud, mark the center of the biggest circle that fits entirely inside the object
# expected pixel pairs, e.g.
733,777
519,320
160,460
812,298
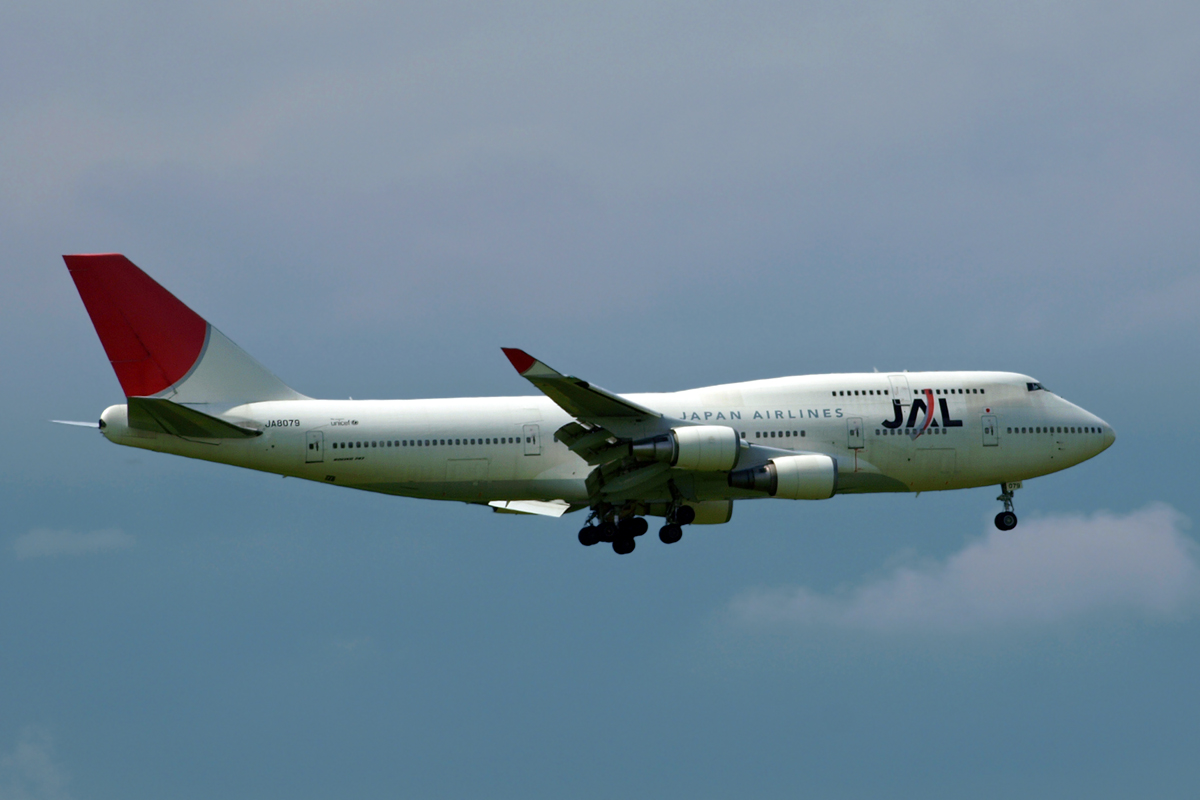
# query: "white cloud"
45,542
29,771
1044,572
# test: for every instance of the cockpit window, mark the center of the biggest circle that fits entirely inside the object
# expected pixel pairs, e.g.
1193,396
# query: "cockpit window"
1035,387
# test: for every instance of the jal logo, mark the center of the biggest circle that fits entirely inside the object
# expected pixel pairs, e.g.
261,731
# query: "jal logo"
922,409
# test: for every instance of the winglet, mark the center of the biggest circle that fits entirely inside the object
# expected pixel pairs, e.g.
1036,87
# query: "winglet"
530,367
520,359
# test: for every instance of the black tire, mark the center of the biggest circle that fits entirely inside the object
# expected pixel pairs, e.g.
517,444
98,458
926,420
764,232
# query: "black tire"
587,536
606,531
670,534
1006,520
623,547
685,515
639,526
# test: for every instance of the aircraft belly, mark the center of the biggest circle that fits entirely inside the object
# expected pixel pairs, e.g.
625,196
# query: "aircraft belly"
574,491
869,482
551,475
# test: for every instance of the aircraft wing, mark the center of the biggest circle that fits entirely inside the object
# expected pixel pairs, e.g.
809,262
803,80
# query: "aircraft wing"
604,426
580,399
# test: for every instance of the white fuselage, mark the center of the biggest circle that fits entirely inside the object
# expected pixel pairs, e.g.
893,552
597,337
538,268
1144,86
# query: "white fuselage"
986,428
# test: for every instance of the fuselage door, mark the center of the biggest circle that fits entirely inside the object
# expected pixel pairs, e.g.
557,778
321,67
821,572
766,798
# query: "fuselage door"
854,433
533,442
991,434
900,388
314,447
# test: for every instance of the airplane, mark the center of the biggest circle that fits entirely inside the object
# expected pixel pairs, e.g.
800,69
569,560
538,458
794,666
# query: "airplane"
683,456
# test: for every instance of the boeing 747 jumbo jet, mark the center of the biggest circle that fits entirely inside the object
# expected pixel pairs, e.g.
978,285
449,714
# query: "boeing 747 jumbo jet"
683,456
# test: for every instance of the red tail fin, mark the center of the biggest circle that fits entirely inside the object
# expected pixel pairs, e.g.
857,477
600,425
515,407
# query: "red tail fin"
151,338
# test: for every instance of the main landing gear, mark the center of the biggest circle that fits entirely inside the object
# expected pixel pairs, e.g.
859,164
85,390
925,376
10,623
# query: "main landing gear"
1006,520
605,526
672,532
619,531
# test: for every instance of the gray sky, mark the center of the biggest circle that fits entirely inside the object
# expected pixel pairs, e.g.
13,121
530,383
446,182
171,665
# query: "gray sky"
372,199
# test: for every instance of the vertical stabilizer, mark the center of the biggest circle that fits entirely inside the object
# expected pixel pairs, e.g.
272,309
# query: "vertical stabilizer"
161,348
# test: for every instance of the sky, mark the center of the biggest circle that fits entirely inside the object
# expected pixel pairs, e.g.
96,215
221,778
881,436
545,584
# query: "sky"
372,198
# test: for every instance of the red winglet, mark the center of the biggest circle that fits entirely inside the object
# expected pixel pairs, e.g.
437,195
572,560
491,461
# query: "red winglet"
151,338
519,358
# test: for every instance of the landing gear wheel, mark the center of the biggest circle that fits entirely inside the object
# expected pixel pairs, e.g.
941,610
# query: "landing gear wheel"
1006,520
670,534
632,526
685,515
606,531
587,536
623,547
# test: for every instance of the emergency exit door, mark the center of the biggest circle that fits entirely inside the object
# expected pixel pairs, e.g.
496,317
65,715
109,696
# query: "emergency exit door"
991,434
854,433
314,451
533,443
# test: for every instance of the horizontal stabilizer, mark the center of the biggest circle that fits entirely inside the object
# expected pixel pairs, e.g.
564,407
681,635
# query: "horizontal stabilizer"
163,416
544,508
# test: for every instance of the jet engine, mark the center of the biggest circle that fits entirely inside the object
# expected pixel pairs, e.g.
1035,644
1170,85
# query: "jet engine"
804,477
703,448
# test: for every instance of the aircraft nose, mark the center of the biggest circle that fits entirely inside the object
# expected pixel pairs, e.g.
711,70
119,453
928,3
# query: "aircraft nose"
1107,434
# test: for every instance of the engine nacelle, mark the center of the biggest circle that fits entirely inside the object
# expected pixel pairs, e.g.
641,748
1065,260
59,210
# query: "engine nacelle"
703,448
804,477
707,512
712,512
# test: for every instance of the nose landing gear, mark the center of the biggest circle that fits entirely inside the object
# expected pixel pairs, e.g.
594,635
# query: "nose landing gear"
1006,520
